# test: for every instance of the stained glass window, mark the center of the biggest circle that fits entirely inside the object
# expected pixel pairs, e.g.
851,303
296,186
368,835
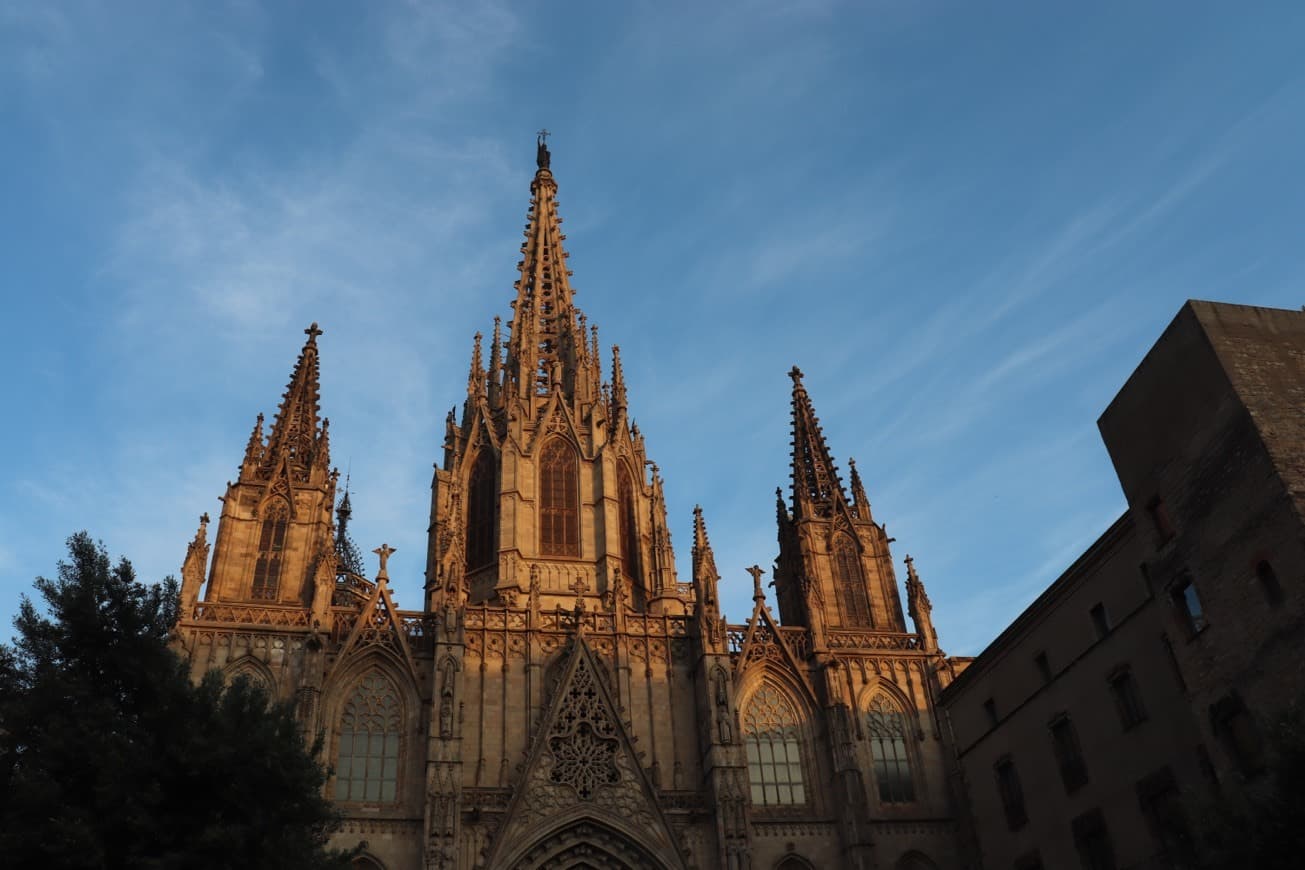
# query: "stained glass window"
888,731
559,508
271,543
482,493
774,747
367,764
850,580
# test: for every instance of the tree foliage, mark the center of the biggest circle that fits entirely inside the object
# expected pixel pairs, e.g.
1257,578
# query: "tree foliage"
110,756
1261,825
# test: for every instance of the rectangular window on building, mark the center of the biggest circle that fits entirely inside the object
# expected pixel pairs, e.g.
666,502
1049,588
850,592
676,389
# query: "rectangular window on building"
1160,522
1100,620
1043,665
1187,604
1238,733
990,711
1162,808
1011,793
1092,841
1127,699
1069,754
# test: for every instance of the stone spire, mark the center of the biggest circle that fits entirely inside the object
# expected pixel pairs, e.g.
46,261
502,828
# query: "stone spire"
546,344
192,569
860,503
350,559
704,561
254,449
296,432
476,377
917,604
495,374
620,401
816,486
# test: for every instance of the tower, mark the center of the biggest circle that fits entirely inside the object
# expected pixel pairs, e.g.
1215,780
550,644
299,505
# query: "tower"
834,569
275,542
545,481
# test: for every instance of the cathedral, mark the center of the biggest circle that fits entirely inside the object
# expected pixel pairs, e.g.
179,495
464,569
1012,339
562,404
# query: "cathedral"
563,699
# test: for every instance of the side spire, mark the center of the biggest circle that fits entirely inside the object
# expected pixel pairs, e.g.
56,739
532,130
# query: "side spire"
254,449
921,610
192,569
860,503
816,486
494,376
619,400
295,431
350,559
476,378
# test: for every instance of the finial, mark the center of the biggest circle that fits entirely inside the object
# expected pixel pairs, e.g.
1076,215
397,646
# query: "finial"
203,518
542,157
312,332
476,378
756,571
796,374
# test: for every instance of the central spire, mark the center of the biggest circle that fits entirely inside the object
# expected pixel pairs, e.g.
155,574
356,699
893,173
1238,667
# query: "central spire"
547,349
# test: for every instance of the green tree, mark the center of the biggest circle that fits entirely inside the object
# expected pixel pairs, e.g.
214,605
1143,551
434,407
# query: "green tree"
110,756
1262,824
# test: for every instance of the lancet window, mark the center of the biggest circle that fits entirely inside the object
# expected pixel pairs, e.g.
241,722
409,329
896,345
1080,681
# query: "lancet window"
850,582
559,500
772,736
887,726
482,497
367,763
271,546
629,531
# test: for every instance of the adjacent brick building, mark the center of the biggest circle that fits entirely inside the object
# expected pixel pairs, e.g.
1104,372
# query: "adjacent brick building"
1144,676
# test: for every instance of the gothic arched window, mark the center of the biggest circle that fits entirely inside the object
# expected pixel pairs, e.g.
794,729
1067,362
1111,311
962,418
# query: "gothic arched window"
629,531
271,544
367,763
482,495
850,583
559,500
888,746
774,746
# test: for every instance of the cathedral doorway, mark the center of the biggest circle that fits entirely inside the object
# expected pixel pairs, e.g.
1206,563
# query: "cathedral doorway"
589,845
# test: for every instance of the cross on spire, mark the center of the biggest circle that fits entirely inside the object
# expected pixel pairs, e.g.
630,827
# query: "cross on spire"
312,331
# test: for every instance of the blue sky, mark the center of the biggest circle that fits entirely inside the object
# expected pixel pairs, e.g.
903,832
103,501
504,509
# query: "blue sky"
965,222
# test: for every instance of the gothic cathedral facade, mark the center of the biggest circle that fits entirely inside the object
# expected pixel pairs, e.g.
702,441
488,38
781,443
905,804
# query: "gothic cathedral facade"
562,699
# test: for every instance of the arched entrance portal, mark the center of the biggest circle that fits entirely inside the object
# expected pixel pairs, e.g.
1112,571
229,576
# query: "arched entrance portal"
589,845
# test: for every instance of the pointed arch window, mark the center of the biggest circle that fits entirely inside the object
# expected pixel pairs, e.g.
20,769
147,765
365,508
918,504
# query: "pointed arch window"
271,547
559,500
367,763
772,736
629,532
850,582
887,725
482,497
